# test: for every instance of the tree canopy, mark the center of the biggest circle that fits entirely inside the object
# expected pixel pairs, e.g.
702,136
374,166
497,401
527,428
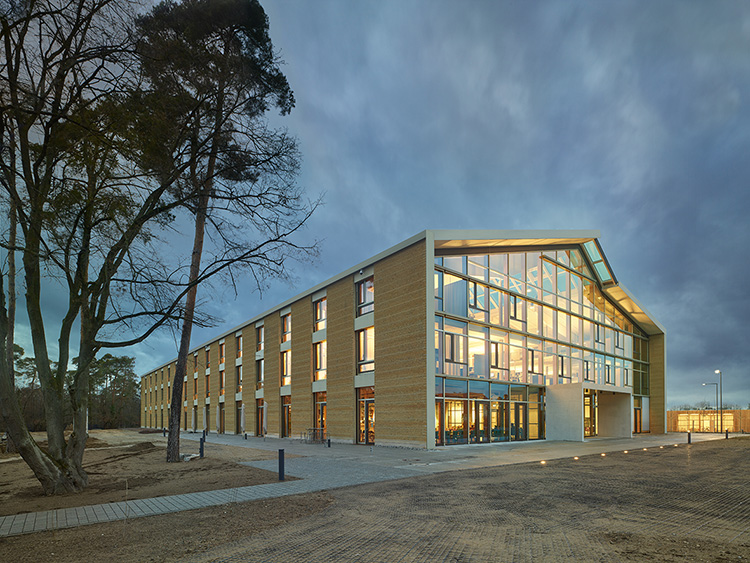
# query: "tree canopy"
114,125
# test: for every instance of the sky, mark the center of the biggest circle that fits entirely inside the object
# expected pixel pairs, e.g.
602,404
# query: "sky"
631,118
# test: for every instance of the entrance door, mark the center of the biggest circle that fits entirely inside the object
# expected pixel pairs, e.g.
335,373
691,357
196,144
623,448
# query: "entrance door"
366,429
589,413
367,421
499,422
518,419
480,424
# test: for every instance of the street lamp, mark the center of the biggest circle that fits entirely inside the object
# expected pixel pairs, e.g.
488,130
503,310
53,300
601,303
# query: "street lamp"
721,399
716,385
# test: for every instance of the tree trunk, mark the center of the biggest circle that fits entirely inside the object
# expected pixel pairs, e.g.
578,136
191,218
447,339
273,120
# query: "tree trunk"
55,475
173,442
10,445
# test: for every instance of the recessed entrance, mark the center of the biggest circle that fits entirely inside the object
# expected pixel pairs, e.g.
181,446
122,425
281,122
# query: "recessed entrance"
366,430
590,413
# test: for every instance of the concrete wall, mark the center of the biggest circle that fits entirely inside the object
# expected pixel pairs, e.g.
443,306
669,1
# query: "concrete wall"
564,412
615,414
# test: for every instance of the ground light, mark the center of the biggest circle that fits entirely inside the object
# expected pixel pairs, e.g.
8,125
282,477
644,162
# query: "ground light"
626,451
543,462
603,455
576,457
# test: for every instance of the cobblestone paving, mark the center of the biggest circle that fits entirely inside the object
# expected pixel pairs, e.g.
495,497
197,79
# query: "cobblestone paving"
686,503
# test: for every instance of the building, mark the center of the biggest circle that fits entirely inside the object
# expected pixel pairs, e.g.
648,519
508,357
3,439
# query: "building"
450,337
733,420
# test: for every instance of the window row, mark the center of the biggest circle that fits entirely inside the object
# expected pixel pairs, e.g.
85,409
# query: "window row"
469,299
469,350
537,277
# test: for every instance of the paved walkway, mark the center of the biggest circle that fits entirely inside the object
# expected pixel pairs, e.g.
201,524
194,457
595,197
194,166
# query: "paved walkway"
321,468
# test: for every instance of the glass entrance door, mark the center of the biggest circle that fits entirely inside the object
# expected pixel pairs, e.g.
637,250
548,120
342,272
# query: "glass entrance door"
518,420
366,430
367,421
589,413
480,423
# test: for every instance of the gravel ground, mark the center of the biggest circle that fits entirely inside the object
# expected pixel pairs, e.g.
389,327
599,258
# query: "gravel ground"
686,503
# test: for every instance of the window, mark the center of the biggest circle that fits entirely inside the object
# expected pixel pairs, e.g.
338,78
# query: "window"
365,296
587,370
495,355
238,345
238,378
208,385
222,381
320,360
321,314
513,307
259,332
286,368
608,373
286,416
195,388
259,374
366,350
195,363
286,327
208,359
222,352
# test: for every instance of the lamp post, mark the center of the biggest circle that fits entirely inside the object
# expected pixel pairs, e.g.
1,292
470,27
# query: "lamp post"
716,386
721,400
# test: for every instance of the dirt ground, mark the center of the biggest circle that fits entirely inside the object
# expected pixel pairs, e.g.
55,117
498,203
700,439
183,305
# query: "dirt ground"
126,465
690,503
116,458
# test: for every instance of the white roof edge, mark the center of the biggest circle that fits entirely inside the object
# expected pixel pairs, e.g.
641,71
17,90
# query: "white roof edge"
479,234
627,292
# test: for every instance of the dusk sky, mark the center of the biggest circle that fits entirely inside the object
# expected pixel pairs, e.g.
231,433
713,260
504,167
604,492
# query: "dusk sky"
631,118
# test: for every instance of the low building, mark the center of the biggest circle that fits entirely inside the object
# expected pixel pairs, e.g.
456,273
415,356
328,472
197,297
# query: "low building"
450,337
707,420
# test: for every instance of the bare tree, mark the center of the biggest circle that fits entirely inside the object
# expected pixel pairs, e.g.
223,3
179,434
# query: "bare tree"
102,164
217,58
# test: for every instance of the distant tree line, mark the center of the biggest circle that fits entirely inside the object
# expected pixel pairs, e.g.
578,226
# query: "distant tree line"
114,400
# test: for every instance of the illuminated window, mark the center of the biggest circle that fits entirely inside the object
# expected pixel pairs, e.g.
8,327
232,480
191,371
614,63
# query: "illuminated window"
208,359
320,359
238,345
222,350
208,385
286,327
321,314
365,296
259,333
195,363
238,378
366,350
286,367
222,381
259,374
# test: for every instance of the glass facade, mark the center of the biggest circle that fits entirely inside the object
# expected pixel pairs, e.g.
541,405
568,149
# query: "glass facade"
524,321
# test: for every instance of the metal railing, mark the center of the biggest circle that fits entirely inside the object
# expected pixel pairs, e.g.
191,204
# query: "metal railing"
316,435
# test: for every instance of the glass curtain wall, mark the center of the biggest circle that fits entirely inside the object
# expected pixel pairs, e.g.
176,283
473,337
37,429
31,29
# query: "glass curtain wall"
531,320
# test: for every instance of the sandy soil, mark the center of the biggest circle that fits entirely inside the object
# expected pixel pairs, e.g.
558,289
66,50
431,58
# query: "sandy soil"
673,504
126,465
